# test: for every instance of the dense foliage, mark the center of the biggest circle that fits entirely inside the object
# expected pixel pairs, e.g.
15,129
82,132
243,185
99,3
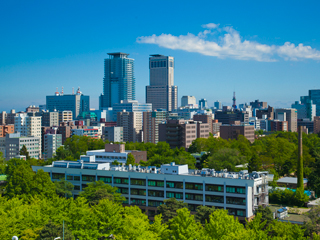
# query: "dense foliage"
288,197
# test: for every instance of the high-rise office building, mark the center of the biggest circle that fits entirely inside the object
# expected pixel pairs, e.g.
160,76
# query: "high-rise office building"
218,105
130,106
118,81
132,125
77,103
161,92
305,109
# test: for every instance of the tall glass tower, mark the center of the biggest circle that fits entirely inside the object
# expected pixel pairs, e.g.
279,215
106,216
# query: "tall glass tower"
118,81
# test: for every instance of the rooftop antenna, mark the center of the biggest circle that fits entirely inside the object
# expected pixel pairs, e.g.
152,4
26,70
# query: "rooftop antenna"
73,91
78,92
62,91
234,100
57,92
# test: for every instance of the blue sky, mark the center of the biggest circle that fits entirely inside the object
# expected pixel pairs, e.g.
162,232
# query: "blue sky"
251,47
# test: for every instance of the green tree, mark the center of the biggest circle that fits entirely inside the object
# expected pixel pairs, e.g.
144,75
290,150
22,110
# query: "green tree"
98,190
313,224
254,163
130,159
64,188
24,152
2,164
203,214
51,231
226,158
314,177
169,208
266,214
184,227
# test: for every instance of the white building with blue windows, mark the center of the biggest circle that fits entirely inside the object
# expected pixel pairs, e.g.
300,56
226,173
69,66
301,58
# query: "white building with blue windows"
240,193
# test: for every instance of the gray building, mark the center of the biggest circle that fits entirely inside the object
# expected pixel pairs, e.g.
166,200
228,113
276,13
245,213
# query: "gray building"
162,93
229,116
14,143
118,81
51,143
203,103
147,187
132,125
77,103
218,105
112,134
49,119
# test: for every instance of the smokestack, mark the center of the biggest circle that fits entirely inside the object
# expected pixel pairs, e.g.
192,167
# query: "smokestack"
300,159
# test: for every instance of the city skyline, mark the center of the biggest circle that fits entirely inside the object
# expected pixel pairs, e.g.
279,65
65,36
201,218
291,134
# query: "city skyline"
217,49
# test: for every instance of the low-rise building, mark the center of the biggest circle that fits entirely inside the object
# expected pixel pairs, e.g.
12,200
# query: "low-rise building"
6,129
147,187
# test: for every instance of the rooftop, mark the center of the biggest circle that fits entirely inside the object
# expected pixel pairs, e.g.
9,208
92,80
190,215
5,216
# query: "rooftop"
293,180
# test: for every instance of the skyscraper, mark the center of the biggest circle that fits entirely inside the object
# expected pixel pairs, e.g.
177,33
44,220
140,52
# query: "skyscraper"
118,81
161,92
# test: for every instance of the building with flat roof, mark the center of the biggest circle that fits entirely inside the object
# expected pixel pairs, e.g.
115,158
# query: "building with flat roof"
277,125
181,133
229,116
290,115
257,104
162,93
112,134
305,109
130,106
51,143
119,81
151,121
6,129
132,125
267,113
188,100
14,142
77,103
147,187
232,131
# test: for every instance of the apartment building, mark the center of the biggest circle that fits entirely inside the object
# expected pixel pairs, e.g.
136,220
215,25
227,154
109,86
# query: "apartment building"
151,121
51,143
232,131
6,129
132,125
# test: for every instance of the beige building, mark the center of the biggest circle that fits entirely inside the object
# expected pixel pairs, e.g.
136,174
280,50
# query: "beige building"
204,118
65,116
232,131
316,124
151,121
28,126
132,125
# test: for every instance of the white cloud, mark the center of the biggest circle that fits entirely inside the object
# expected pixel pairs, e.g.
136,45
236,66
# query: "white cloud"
210,25
230,45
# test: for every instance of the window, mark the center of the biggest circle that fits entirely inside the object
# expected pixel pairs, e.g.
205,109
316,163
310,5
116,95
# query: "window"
237,212
236,201
170,195
123,190
140,202
141,182
121,180
214,188
174,185
240,190
140,192
194,197
76,187
194,186
88,178
69,177
212,198
76,178
154,204
152,193
58,175
105,179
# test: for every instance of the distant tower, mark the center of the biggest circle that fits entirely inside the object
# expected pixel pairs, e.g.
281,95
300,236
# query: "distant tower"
234,100
62,91
57,92
73,91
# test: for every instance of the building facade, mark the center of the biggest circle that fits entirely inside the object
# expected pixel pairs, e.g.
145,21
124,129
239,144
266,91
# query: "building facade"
130,106
305,109
118,81
77,103
181,133
188,100
229,116
233,131
257,104
112,134
290,115
51,143
6,129
162,93
147,187
151,121
132,125
14,142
